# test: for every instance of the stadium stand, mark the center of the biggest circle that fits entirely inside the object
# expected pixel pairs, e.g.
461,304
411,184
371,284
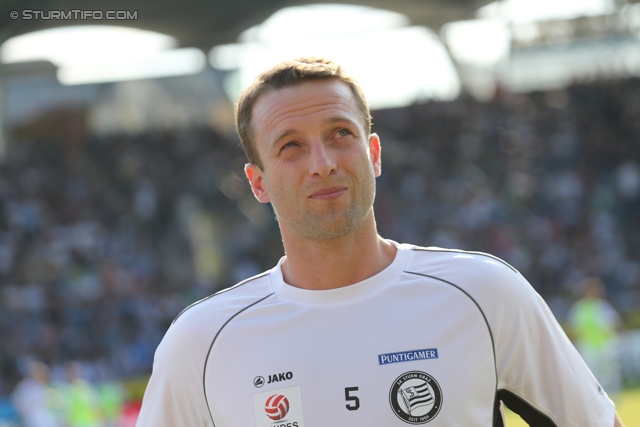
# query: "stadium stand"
99,248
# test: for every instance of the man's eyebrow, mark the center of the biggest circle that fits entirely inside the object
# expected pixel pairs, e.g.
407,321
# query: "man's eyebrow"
335,119
283,135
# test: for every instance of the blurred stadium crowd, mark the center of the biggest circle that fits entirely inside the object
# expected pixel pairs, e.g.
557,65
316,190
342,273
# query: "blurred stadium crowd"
102,244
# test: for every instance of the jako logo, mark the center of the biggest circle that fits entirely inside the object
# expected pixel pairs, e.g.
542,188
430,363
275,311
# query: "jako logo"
280,377
276,407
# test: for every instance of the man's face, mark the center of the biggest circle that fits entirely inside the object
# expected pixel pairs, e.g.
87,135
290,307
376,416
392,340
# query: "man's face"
319,164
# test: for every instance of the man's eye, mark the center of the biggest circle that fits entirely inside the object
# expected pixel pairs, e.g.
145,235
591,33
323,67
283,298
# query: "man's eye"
290,144
344,132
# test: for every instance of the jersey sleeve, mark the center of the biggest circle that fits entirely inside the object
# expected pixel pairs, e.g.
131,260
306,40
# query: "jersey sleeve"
175,394
541,375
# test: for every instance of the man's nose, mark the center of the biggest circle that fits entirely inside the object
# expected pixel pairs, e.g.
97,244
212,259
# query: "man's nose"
322,161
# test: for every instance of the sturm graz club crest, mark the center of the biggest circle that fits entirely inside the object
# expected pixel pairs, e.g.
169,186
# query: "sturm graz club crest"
415,397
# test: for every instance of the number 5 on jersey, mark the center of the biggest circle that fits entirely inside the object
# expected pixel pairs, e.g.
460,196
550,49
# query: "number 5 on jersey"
354,401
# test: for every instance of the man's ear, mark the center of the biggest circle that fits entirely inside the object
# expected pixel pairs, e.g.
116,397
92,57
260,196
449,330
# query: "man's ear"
374,151
256,180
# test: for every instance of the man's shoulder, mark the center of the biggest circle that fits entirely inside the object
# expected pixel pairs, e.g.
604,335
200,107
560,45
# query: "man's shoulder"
226,303
459,260
470,271
189,337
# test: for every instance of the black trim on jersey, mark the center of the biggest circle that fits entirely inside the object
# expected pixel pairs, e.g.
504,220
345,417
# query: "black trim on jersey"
493,346
531,415
498,419
514,402
250,279
206,360
417,248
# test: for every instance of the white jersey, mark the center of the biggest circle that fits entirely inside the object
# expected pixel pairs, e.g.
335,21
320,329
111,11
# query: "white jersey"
438,337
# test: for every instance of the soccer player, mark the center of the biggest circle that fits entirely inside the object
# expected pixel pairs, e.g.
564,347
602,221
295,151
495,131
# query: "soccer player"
594,325
349,328
35,398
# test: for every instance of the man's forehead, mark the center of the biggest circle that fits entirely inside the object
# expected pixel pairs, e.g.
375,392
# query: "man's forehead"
305,95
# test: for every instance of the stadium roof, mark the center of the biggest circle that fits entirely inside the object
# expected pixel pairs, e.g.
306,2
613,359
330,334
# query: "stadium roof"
204,24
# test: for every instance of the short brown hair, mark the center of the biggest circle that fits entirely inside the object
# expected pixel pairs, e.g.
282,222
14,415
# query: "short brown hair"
287,74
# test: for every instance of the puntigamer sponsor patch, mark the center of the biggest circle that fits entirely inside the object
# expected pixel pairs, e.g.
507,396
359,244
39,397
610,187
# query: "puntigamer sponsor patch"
408,356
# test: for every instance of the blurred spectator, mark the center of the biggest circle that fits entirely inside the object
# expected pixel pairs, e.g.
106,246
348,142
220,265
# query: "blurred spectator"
81,403
35,399
594,324
112,399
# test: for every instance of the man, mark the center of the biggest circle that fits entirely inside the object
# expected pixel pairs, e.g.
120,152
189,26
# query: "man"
594,325
81,401
35,399
350,329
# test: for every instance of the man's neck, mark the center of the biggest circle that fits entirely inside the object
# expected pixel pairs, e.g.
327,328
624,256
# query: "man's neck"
335,263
